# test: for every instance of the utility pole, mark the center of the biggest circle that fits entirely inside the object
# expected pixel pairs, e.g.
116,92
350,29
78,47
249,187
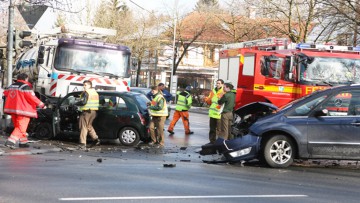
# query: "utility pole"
10,47
10,44
173,84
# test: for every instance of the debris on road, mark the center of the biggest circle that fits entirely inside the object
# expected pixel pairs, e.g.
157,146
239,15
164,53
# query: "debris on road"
169,165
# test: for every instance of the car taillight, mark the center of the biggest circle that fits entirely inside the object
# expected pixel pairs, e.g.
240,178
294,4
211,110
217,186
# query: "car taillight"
142,119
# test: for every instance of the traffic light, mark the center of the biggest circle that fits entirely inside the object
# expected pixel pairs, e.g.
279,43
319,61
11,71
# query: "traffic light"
18,39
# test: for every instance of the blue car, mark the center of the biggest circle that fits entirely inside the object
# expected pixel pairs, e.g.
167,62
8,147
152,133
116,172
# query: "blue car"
323,125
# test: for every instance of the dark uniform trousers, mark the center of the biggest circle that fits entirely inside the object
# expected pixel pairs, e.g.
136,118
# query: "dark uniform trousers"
215,129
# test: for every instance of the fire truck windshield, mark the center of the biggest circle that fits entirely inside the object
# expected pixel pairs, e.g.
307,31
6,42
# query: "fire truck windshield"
329,71
97,60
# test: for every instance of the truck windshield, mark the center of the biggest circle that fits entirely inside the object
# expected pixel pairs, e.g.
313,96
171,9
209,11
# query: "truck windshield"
329,71
96,60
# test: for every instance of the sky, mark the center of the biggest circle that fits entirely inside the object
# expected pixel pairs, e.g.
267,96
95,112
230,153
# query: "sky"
146,6
161,5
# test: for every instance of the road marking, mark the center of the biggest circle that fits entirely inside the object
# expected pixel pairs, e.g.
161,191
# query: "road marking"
177,197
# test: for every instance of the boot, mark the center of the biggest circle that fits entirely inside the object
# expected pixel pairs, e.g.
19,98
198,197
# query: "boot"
24,145
10,145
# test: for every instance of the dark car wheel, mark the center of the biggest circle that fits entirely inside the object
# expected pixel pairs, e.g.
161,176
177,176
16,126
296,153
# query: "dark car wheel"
279,151
44,131
129,136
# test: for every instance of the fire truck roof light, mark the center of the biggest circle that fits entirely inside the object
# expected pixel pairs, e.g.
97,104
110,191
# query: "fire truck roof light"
327,47
258,43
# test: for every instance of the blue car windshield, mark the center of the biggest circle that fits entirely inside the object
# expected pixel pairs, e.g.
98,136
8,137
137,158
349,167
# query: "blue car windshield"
286,106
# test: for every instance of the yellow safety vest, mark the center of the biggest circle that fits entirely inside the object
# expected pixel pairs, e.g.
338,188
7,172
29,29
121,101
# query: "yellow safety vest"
215,108
183,103
92,102
163,111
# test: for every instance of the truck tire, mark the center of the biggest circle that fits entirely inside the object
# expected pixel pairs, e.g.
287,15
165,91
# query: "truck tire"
279,151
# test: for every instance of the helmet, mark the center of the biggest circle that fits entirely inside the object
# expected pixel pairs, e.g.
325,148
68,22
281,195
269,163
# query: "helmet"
188,88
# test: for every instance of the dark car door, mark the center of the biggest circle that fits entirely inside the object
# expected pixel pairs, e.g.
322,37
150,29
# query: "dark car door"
107,119
336,135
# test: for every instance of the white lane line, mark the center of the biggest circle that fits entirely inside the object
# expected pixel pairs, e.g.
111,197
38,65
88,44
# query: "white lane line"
177,197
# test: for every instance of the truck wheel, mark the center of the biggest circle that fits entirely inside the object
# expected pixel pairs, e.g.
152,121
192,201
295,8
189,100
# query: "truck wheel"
44,131
129,136
279,151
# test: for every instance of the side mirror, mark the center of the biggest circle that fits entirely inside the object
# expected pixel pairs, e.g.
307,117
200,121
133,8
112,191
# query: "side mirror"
321,112
41,54
290,76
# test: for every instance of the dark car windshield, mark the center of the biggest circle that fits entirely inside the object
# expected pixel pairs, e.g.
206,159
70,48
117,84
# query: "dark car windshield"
143,100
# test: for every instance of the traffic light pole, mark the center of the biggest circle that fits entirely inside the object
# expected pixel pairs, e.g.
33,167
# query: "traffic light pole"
9,56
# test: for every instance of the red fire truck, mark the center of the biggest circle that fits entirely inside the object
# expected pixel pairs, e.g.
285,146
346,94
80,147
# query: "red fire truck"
276,71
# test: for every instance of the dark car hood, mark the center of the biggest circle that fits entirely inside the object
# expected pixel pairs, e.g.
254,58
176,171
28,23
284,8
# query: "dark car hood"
255,107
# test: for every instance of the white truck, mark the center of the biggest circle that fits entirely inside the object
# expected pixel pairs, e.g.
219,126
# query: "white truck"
70,54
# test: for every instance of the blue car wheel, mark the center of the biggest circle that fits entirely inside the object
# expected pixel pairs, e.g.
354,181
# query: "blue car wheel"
279,151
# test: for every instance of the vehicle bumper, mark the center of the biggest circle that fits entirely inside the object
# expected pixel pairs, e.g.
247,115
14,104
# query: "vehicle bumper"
242,148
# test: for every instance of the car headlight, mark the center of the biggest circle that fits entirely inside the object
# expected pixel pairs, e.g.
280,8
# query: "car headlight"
241,152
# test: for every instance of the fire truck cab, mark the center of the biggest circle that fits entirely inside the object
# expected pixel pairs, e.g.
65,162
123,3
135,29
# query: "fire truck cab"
276,71
67,56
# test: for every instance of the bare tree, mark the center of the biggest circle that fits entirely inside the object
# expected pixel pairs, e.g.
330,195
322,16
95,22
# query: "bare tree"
345,15
293,18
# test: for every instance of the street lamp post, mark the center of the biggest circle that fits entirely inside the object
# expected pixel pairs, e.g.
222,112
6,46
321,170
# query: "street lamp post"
10,46
173,83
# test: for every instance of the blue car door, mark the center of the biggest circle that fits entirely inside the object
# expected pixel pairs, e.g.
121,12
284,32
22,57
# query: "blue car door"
336,135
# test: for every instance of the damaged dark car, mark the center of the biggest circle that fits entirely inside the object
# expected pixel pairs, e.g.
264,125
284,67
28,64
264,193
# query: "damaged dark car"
121,115
323,125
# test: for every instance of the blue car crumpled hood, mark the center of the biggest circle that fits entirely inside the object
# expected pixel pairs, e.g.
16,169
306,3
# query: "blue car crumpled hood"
225,147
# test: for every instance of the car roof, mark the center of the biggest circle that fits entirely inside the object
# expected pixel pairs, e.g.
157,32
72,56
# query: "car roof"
139,88
352,86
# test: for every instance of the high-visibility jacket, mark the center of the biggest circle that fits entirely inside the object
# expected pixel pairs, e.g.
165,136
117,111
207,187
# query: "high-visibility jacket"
156,102
21,100
184,101
92,100
215,109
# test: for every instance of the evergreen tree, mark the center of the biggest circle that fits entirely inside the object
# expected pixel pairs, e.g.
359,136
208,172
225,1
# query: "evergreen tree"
206,5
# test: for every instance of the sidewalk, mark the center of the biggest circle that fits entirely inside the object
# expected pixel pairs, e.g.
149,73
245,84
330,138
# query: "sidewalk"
202,110
36,147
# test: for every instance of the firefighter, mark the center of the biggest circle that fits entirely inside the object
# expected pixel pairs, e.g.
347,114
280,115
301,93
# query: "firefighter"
21,104
215,110
228,100
89,104
183,104
158,111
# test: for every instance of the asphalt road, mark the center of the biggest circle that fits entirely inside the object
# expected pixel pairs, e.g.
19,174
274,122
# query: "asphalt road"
114,173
